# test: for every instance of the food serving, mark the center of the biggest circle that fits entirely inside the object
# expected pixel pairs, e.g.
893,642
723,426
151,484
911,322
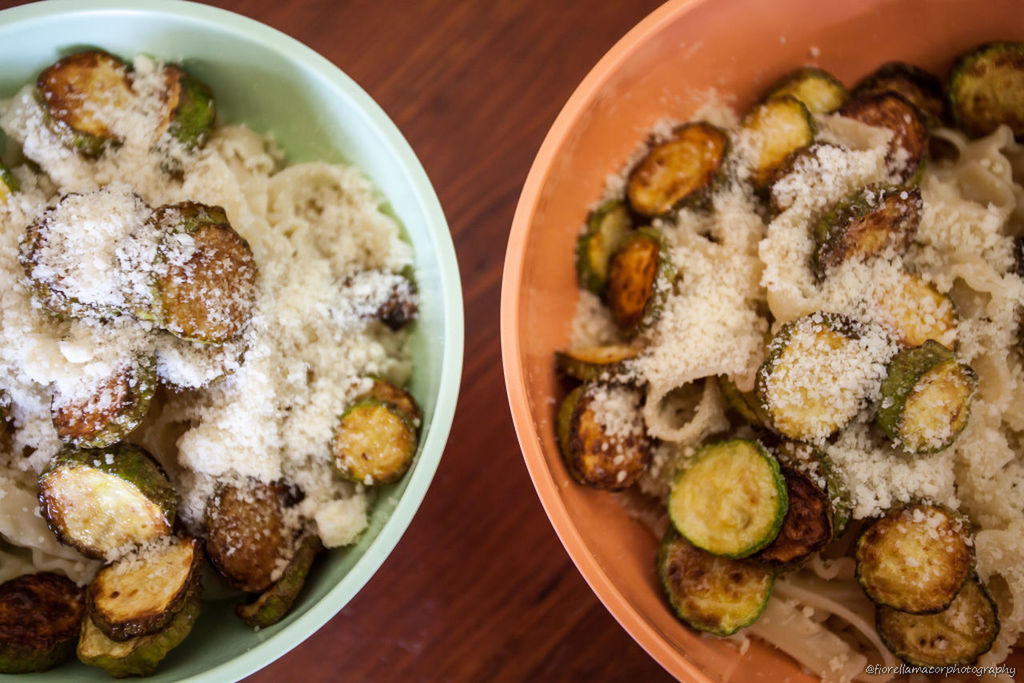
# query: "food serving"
205,350
798,338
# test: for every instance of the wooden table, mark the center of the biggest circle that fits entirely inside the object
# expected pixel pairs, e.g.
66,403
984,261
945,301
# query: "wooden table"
479,588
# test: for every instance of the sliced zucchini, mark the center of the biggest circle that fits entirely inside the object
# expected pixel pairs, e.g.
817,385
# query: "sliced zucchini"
274,604
595,363
808,523
809,458
796,385
716,595
957,635
915,558
986,89
607,226
246,535
40,616
602,437
375,442
8,183
779,127
386,391
401,307
680,171
916,312
138,656
817,89
745,403
909,145
926,398
83,95
922,89
866,224
104,502
207,290
640,278
191,109
110,410
731,501
810,158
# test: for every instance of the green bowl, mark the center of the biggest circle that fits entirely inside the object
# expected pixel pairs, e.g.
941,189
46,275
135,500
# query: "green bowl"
273,83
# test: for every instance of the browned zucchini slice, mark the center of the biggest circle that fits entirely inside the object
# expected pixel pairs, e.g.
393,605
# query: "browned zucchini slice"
679,171
208,288
909,145
274,604
191,109
401,307
246,536
105,502
731,501
778,128
142,592
986,89
915,558
716,595
922,89
39,620
597,363
915,312
820,91
640,278
83,94
957,635
602,437
804,159
138,656
808,523
375,442
808,458
606,227
926,398
807,359
109,411
865,225
383,390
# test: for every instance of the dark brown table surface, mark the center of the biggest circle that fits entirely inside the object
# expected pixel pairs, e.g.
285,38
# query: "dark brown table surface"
479,588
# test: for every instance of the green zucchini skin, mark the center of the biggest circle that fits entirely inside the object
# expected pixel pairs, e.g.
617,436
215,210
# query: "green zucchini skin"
958,635
732,501
39,622
783,125
712,594
912,372
609,363
921,88
72,521
140,656
606,227
891,550
196,111
817,89
640,278
276,602
986,89
908,149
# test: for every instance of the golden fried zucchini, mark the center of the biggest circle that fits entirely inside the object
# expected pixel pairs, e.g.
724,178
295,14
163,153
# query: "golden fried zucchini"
957,635
83,95
640,277
915,558
40,616
274,603
597,363
922,89
817,89
374,443
191,109
926,398
601,436
105,502
141,593
806,157
909,145
731,500
807,526
246,535
607,226
716,595
808,458
986,89
914,312
777,128
383,390
866,224
110,410
680,171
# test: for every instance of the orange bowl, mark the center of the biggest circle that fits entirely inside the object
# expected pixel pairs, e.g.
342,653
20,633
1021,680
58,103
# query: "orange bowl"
664,67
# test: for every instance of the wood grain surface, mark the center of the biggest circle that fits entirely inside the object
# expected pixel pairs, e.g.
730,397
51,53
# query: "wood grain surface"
479,588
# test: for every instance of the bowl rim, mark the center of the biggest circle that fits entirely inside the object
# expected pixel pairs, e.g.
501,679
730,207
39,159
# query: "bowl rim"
427,204
648,637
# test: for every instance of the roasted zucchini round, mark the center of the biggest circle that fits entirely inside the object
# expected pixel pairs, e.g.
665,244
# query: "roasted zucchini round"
374,443
921,88
607,226
820,91
776,128
609,363
191,110
807,526
986,89
274,603
246,536
914,312
640,278
744,403
382,390
909,145
40,616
